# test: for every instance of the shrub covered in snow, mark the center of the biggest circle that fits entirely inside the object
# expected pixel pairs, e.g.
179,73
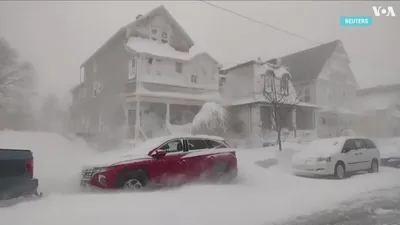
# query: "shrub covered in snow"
211,119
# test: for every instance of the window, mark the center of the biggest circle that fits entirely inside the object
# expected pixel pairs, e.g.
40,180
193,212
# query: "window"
284,85
196,144
164,37
214,144
97,87
222,80
369,144
307,97
269,82
154,33
173,146
359,143
132,69
193,79
323,120
349,144
94,66
178,67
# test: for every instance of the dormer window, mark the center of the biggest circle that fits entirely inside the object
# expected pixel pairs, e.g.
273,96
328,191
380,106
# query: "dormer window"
154,33
164,37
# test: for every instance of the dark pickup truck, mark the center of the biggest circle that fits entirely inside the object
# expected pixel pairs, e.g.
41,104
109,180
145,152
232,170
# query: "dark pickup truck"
16,174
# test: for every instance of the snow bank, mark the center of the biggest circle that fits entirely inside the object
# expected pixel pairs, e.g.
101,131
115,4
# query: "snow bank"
57,160
259,196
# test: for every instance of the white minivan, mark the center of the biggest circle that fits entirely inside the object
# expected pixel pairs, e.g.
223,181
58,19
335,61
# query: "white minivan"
337,156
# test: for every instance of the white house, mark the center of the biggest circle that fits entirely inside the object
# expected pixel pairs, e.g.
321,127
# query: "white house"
144,77
244,89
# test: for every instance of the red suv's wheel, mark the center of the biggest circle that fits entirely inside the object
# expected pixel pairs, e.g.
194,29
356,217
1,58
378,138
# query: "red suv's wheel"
132,180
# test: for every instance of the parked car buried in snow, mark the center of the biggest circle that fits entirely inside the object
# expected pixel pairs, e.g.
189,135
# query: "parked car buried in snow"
337,157
163,161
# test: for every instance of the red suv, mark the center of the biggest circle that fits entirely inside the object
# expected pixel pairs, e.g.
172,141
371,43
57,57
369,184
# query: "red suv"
164,161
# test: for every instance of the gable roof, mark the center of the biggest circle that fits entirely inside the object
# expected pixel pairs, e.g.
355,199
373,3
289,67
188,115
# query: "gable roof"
158,10
161,10
307,64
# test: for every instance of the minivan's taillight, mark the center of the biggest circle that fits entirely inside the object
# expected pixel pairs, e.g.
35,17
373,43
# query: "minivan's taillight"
29,165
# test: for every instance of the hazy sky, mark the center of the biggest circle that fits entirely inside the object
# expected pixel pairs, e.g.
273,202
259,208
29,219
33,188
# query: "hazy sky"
57,37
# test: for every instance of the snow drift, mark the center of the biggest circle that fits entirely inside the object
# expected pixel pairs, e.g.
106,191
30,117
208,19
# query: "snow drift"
57,160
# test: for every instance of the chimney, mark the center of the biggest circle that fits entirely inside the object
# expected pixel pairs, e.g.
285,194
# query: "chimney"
138,16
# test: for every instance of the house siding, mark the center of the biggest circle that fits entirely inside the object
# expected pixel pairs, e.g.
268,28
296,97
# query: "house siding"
162,72
112,73
239,82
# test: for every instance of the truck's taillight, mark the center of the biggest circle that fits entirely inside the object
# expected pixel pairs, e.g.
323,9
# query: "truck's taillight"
29,166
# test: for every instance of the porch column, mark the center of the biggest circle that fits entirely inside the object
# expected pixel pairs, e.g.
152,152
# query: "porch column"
137,120
294,123
167,115
137,123
126,124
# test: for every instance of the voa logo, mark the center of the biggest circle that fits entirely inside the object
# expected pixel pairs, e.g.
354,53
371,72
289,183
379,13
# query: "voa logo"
382,11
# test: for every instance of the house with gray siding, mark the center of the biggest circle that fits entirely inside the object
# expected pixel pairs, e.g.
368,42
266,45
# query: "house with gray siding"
144,78
322,76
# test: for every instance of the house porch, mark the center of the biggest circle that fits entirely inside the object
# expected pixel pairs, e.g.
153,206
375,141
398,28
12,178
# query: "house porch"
158,115
254,122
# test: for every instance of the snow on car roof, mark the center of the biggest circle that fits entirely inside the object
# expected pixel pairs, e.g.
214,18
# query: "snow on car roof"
166,138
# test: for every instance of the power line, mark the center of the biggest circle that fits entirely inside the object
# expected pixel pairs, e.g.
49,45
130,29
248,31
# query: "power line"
279,29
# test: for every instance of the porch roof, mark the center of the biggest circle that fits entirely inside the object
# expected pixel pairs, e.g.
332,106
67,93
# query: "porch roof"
254,99
164,96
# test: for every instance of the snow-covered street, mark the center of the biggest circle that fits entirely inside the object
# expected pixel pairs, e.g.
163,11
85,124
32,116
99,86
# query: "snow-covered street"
258,196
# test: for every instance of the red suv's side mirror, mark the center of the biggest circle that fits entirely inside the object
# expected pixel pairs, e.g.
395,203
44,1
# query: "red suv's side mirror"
159,153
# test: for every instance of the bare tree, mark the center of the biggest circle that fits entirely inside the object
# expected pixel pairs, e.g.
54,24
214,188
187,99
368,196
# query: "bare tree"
277,92
16,84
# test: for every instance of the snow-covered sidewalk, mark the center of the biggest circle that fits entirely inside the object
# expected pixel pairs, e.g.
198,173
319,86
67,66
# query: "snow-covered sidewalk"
258,196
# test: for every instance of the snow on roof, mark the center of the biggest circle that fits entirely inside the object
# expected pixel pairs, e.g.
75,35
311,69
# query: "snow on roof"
208,97
279,71
142,45
173,136
151,47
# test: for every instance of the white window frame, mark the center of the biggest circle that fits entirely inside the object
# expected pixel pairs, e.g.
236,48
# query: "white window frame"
162,38
193,81
132,69
97,87
155,36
